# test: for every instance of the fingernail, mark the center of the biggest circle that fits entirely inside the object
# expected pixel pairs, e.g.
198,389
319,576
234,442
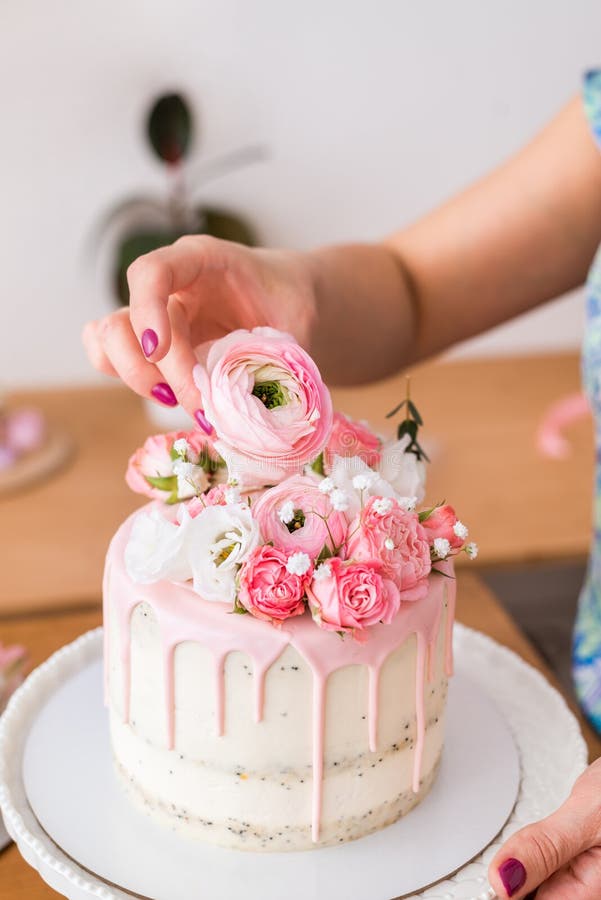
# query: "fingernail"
149,342
202,420
163,392
513,876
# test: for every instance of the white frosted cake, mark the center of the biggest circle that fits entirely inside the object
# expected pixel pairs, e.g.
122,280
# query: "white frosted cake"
278,634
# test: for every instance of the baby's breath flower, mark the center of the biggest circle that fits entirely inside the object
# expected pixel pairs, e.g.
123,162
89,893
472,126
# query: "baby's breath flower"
231,495
460,530
362,481
326,485
441,547
472,550
286,512
181,446
339,499
381,505
322,571
407,503
298,563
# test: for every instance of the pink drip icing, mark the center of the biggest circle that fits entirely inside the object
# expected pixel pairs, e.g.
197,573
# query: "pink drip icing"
169,673
183,616
373,706
319,708
420,712
220,693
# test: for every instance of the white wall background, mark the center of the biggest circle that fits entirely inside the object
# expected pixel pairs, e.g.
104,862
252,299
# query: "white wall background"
373,113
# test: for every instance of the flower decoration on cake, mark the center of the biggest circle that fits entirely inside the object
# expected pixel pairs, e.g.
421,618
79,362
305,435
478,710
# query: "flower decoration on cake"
289,509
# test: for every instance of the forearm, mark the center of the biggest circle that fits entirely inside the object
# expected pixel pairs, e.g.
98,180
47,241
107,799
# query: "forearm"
521,236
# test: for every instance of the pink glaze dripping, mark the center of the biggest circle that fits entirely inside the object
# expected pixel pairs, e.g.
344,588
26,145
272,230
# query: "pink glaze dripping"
169,673
373,706
319,709
183,616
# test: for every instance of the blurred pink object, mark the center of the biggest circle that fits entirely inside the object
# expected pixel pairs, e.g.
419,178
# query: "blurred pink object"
12,671
550,441
24,430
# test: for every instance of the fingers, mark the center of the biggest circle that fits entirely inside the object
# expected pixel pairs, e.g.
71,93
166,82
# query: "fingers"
93,346
532,855
580,880
176,367
154,277
122,350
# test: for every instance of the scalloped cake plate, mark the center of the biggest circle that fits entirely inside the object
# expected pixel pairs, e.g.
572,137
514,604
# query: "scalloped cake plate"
512,753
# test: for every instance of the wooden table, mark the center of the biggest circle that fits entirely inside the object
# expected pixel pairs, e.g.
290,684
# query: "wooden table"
43,634
481,419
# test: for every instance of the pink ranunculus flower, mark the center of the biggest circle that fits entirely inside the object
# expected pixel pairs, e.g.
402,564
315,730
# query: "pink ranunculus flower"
384,530
443,523
154,460
296,516
268,589
352,596
350,438
265,398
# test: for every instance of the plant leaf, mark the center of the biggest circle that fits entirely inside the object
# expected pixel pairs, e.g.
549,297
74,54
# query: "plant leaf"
162,482
317,465
397,409
169,128
414,412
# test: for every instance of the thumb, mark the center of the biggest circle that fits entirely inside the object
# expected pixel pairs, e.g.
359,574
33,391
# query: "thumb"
534,853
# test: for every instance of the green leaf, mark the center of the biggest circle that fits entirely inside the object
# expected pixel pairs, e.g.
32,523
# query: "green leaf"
397,409
238,609
162,482
317,465
407,427
169,128
444,574
325,553
227,225
174,454
413,410
426,513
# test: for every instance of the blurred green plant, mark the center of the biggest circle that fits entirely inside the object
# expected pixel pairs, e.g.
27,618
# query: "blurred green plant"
147,222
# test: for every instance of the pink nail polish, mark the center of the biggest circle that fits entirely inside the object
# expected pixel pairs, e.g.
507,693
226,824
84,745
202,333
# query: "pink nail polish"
202,420
513,876
149,342
164,394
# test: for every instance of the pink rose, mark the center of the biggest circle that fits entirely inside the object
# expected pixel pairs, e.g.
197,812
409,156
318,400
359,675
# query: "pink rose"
351,596
441,524
155,460
266,400
296,515
384,530
350,438
268,590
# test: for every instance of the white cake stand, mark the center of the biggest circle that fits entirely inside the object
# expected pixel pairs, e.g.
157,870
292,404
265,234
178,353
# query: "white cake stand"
63,807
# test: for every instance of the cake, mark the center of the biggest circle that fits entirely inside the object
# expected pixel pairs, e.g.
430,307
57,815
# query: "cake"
278,619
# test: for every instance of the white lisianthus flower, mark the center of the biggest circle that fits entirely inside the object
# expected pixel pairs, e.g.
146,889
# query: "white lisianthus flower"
156,549
220,539
441,547
286,512
345,470
402,470
460,530
298,563
472,550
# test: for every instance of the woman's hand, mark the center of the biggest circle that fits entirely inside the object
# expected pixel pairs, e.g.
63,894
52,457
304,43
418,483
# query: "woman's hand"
196,290
558,858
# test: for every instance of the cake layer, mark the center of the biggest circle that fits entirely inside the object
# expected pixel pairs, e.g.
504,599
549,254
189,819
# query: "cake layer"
263,738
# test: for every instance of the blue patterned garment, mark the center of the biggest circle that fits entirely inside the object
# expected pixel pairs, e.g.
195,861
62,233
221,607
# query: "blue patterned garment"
587,633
